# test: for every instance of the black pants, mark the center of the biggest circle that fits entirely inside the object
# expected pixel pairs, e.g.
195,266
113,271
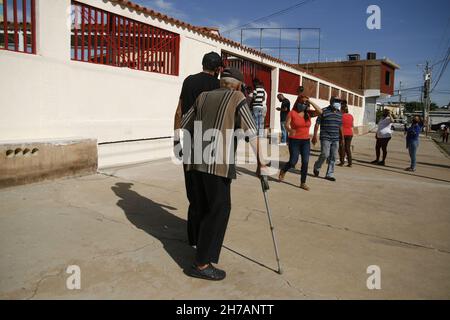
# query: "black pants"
192,226
381,144
209,209
345,148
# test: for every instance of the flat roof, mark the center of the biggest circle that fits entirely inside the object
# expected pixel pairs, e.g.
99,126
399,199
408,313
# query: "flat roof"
373,61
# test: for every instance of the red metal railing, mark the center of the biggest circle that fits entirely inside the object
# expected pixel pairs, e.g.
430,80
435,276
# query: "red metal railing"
18,25
252,70
103,37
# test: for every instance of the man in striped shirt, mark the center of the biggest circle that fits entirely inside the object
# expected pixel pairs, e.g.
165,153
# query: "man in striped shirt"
330,123
259,106
215,122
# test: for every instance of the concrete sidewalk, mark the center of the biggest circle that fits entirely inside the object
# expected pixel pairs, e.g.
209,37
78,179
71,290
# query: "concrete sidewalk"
125,228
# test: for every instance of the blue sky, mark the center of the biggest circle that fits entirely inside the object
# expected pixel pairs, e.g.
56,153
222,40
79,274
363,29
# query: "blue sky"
411,31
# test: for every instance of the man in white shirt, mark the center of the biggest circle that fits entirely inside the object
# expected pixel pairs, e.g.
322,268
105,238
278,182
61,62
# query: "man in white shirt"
383,135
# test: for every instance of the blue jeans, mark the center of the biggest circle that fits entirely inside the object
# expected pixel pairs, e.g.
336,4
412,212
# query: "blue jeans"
412,147
328,151
298,147
259,120
283,131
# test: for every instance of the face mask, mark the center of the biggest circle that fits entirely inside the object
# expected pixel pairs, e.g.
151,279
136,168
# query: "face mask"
337,105
301,107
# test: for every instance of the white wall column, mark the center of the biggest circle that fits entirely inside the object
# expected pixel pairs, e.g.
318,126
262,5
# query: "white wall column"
274,114
53,28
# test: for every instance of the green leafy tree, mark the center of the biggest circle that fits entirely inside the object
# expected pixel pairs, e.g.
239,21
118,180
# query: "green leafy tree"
433,106
413,106
418,106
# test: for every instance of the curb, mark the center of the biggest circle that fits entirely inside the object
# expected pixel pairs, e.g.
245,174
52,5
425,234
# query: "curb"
442,150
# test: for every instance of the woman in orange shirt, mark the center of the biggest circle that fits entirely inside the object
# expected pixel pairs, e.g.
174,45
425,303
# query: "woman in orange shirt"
298,123
347,127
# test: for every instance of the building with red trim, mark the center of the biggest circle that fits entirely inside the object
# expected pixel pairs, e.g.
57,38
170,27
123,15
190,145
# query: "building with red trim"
111,71
374,78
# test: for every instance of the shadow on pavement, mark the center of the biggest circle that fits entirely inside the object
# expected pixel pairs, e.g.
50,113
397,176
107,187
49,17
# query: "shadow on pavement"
434,165
153,218
386,168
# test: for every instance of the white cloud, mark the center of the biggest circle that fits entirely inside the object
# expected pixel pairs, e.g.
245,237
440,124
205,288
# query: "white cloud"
269,34
165,7
161,4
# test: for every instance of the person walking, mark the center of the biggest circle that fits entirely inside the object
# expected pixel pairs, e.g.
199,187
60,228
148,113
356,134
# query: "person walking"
284,110
193,86
445,134
330,123
259,107
249,96
219,112
412,141
345,145
383,136
298,123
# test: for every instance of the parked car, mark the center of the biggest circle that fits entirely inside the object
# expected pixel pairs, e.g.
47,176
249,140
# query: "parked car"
398,125
437,126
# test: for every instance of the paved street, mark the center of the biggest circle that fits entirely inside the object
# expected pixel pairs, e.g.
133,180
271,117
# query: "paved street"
125,229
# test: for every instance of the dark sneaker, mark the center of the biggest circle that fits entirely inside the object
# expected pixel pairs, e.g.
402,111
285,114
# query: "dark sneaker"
374,162
209,273
316,173
330,178
381,163
341,164
349,165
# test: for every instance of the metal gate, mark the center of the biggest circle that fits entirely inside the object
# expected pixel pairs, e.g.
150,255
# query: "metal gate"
252,70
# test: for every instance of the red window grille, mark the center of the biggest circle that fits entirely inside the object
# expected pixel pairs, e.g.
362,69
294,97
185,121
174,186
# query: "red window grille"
102,37
324,92
334,92
18,25
288,82
252,70
310,87
350,99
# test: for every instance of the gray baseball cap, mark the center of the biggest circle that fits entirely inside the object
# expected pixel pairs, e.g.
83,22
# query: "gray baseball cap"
232,72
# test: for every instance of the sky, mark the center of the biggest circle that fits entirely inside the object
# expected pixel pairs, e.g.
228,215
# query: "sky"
412,32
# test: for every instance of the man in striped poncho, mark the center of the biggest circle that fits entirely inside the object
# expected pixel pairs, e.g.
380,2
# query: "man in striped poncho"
214,122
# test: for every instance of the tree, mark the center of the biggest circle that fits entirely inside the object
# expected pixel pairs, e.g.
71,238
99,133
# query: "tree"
433,106
418,106
413,106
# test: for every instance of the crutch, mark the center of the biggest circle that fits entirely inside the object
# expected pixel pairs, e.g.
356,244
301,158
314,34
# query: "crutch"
265,187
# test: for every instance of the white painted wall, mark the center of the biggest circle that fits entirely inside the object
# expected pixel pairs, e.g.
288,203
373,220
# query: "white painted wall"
49,96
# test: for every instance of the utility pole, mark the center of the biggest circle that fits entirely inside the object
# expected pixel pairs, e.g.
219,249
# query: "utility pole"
400,100
426,96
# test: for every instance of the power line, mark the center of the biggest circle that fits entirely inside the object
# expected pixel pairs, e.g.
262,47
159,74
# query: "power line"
444,32
299,4
437,62
443,68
